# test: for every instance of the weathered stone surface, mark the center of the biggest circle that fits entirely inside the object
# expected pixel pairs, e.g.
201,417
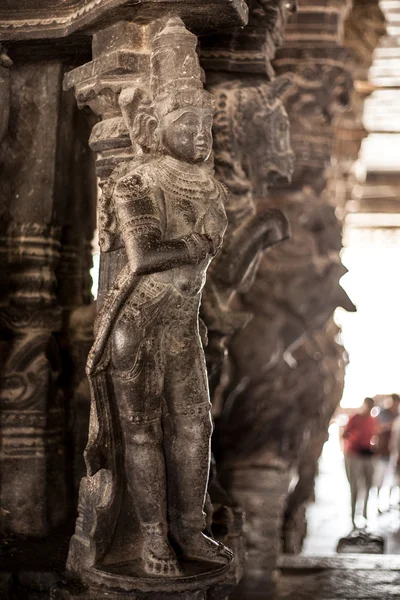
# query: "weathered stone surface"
47,211
321,583
34,495
287,355
23,19
161,220
285,380
5,64
251,153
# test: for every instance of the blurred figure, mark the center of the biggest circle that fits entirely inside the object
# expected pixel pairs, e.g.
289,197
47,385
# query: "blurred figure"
358,455
384,465
394,447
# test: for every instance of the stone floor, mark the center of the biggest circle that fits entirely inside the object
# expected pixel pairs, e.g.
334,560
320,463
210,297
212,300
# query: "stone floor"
318,574
321,574
345,577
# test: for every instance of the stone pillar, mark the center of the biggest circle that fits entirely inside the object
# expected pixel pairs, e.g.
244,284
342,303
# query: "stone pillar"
47,208
33,487
134,81
277,366
251,152
5,64
363,27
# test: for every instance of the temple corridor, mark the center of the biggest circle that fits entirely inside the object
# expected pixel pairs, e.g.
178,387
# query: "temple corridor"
199,299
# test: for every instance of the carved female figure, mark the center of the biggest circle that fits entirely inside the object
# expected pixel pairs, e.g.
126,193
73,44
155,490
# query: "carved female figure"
142,505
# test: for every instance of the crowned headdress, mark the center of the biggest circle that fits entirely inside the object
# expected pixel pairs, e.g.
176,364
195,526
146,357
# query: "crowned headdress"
176,78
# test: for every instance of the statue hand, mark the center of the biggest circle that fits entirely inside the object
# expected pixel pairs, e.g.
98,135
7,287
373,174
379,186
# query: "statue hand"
200,246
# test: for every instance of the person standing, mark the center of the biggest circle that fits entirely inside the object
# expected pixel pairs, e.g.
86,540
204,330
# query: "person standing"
385,421
358,454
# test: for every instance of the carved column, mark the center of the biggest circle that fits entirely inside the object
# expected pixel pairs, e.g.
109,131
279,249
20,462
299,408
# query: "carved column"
34,487
5,64
251,152
145,85
313,361
265,418
363,27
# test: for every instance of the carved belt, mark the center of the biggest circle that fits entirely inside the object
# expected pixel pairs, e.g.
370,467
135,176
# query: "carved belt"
147,292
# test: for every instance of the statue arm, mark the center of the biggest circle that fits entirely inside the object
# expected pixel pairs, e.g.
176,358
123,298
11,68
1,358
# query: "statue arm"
140,223
147,253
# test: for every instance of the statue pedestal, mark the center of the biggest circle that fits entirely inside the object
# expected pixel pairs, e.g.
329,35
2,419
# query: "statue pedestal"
76,592
116,587
117,580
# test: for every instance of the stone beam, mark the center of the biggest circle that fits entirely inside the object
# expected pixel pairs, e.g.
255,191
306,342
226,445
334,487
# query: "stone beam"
27,20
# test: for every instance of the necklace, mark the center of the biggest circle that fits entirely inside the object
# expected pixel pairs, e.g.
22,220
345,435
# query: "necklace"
187,182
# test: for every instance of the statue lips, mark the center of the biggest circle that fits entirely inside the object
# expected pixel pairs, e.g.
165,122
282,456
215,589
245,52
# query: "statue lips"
202,152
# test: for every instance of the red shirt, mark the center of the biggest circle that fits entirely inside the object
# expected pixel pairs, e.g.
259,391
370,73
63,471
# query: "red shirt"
358,433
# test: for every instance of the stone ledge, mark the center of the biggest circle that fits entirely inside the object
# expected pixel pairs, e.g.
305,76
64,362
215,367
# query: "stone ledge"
43,20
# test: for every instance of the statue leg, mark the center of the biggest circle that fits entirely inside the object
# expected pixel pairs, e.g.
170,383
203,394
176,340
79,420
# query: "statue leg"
138,391
187,425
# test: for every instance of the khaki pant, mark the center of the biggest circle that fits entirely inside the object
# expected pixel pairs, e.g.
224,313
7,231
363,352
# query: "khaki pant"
359,471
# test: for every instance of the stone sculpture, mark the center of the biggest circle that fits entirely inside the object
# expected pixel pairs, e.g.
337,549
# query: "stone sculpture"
142,503
293,294
252,152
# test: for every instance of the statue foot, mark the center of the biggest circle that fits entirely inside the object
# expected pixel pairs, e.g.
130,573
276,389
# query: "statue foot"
157,566
195,546
157,557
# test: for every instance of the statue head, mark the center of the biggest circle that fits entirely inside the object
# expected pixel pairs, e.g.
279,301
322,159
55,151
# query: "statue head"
272,15
321,91
269,159
251,135
175,116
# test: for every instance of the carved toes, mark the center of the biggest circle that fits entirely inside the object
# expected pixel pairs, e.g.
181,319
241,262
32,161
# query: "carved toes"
156,566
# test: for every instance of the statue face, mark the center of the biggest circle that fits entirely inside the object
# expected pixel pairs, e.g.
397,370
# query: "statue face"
269,157
186,134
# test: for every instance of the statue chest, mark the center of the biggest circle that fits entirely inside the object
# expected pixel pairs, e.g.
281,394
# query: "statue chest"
185,215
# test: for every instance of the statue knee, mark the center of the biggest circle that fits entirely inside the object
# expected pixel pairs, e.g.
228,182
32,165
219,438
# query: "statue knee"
194,427
125,344
144,434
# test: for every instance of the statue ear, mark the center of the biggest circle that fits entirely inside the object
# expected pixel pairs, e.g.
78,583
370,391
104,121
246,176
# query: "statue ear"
140,117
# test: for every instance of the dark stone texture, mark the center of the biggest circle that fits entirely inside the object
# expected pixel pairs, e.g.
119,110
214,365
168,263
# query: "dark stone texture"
162,219
33,472
251,152
24,19
146,526
47,206
285,374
